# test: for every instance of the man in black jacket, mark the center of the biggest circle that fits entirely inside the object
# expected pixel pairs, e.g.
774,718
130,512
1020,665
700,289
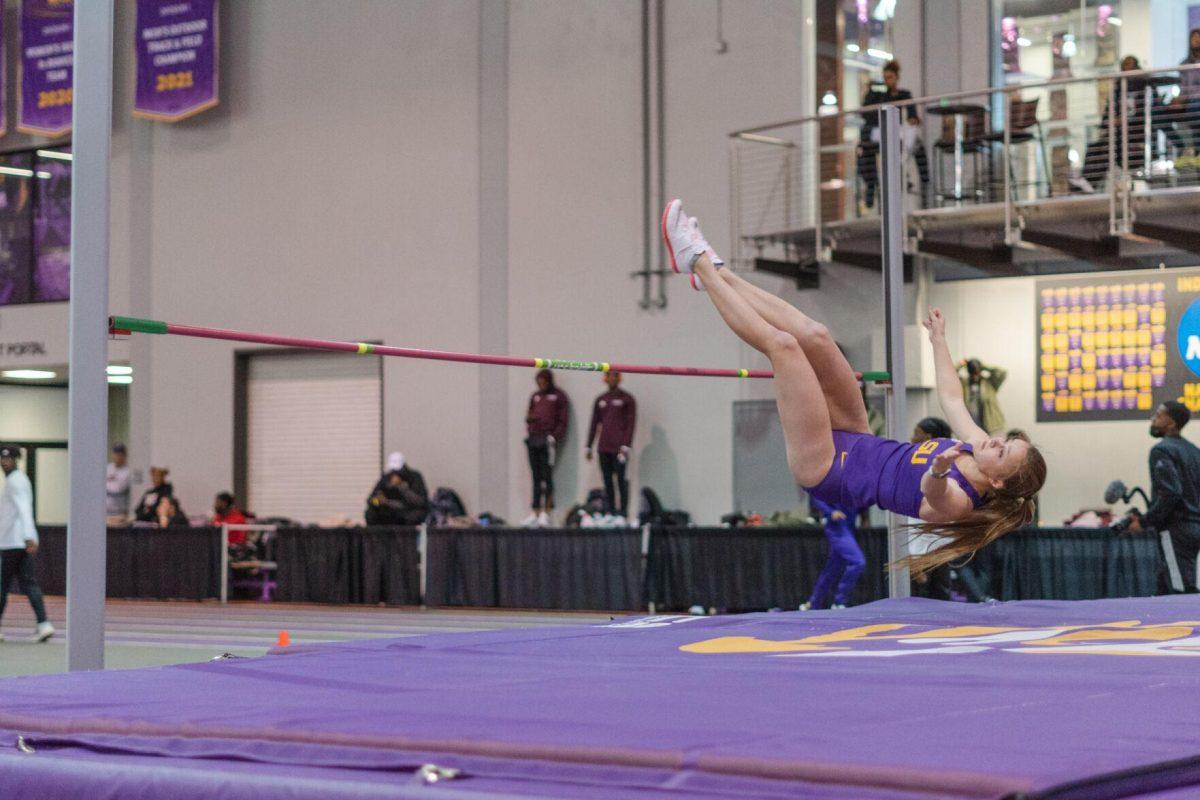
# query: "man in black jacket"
399,497
1174,488
868,147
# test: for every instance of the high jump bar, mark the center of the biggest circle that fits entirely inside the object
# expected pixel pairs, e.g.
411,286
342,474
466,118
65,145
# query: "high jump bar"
130,325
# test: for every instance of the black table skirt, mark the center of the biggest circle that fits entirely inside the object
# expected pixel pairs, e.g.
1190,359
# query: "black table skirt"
348,565
175,563
757,568
594,569
572,568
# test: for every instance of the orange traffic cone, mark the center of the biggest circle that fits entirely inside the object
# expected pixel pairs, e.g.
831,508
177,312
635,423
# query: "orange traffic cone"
284,639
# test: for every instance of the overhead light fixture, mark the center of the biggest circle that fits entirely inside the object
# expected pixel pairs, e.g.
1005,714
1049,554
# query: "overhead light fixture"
883,54
853,48
17,171
29,374
44,175
830,99
1115,21
1023,42
122,379
118,369
56,154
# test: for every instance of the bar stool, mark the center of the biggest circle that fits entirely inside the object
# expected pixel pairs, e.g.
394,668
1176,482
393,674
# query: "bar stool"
964,126
1022,120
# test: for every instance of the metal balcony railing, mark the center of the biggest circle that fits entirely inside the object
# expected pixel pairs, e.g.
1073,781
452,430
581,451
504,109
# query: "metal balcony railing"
806,190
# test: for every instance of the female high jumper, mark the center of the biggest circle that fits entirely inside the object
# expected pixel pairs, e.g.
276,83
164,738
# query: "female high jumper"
968,491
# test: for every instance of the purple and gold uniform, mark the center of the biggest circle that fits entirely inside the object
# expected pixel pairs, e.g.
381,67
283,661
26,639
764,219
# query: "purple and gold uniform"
870,471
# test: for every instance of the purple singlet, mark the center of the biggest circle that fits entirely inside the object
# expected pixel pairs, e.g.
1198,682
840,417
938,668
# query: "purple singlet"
868,470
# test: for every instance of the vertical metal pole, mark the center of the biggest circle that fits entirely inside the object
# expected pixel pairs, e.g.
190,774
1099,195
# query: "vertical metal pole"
1112,163
224,564
892,209
960,133
88,393
1148,130
1007,167
1125,180
422,561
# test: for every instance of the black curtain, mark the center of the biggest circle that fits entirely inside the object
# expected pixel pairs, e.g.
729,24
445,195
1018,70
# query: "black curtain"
750,568
167,564
347,565
733,569
569,568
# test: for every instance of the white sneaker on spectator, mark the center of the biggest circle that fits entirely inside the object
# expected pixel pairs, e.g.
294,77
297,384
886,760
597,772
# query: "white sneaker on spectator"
530,521
806,606
43,631
543,520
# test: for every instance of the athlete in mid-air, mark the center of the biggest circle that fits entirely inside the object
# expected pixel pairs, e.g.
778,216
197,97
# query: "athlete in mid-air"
969,491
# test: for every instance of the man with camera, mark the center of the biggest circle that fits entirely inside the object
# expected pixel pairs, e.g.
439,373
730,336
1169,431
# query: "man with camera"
1174,489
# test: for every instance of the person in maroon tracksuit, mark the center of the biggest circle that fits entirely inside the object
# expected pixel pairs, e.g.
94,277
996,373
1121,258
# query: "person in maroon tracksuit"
545,426
615,414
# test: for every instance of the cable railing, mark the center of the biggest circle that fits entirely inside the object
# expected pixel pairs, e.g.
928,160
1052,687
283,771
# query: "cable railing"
802,188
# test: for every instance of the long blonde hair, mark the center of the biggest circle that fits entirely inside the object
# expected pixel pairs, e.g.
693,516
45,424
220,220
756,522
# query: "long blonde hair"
1006,509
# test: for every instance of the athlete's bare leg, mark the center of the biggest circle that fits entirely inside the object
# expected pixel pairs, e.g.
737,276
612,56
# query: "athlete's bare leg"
838,382
803,410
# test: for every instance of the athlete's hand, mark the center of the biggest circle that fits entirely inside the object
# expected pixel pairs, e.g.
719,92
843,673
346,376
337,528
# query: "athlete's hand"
935,323
837,516
943,460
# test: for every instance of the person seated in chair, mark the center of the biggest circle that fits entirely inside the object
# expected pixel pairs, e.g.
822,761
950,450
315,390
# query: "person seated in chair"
400,496
226,512
168,514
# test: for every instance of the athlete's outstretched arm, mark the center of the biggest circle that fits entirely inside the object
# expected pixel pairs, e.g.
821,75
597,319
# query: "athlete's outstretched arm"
949,388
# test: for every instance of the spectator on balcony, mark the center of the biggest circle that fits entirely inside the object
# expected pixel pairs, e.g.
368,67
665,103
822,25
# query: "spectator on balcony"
168,514
1188,102
1137,90
868,146
160,487
226,512
116,486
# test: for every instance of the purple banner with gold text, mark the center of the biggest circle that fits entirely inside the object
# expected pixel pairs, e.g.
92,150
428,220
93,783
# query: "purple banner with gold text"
47,44
176,58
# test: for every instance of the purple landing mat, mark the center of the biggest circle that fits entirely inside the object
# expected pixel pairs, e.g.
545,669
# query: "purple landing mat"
895,700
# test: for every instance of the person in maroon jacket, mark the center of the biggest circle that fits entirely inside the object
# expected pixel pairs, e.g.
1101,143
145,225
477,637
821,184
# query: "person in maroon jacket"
545,426
615,414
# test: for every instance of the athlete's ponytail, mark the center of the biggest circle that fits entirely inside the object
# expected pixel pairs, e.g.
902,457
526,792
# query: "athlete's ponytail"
1007,508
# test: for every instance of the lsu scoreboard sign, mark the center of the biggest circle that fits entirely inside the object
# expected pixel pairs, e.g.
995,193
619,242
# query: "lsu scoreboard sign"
1114,346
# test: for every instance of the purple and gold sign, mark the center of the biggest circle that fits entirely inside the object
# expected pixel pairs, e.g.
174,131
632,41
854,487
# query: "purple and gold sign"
47,45
176,58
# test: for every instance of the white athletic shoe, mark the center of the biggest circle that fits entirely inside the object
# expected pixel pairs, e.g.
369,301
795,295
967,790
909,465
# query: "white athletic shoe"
531,521
43,631
698,611
836,606
806,606
543,520
685,241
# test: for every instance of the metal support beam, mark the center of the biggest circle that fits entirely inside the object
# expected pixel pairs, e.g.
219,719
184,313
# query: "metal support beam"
892,217
88,395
